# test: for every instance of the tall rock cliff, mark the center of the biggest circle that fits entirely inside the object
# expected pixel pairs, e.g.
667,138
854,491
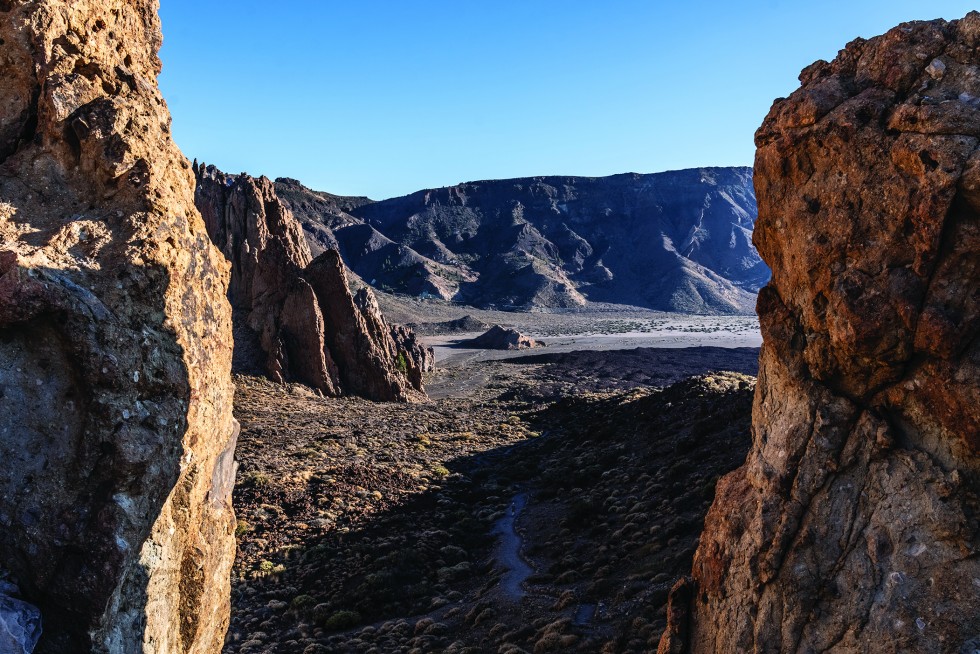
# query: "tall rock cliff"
853,525
295,315
117,437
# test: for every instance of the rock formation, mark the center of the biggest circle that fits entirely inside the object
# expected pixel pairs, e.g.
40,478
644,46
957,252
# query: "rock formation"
499,338
117,438
853,525
465,324
296,313
678,241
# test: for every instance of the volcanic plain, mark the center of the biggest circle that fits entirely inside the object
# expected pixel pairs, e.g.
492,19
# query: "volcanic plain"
542,500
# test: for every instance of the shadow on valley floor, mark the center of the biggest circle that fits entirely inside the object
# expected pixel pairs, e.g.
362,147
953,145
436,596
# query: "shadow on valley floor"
551,376
369,527
573,373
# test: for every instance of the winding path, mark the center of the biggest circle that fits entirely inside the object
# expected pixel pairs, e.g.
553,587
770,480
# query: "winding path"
509,550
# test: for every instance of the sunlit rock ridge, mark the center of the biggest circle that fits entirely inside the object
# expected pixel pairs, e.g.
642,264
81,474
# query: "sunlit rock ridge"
295,318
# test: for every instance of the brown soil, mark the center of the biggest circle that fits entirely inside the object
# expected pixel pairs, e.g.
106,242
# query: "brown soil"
368,527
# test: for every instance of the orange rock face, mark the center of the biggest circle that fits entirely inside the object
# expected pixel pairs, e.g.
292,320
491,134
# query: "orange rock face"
853,525
117,437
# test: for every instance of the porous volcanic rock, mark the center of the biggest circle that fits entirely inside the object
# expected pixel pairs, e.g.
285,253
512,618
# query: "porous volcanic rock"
20,622
500,338
853,525
117,437
295,312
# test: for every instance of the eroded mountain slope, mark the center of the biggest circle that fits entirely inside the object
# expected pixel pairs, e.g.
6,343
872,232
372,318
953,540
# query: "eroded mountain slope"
678,241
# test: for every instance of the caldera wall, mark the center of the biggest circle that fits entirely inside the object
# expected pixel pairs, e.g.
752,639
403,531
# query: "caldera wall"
852,525
117,437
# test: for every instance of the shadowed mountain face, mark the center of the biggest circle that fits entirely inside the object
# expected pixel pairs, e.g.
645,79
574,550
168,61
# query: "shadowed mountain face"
676,241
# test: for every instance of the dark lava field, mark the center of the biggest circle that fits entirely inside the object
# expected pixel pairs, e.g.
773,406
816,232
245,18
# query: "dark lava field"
541,504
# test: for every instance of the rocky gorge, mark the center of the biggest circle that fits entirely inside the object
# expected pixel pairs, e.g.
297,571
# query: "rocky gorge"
617,500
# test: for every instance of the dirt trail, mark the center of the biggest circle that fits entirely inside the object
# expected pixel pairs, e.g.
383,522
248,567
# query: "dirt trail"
508,554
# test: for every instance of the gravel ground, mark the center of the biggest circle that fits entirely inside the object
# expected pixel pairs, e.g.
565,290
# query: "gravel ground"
369,527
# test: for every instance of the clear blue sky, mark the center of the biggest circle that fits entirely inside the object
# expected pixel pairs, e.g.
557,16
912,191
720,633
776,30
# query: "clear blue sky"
382,98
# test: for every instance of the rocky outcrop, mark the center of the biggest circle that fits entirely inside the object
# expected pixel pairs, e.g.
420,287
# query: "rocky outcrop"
678,241
465,324
412,356
295,312
267,251
853,525
20,622
117,437
500,338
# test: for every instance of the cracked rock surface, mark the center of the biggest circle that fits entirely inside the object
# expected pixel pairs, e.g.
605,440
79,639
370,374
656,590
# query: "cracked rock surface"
852,525
117,434
296,320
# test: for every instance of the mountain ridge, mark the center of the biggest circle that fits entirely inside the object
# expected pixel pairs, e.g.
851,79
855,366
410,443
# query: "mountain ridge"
675,241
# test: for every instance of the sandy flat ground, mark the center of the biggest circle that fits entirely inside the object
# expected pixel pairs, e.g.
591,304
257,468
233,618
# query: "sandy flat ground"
741,331
596,327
